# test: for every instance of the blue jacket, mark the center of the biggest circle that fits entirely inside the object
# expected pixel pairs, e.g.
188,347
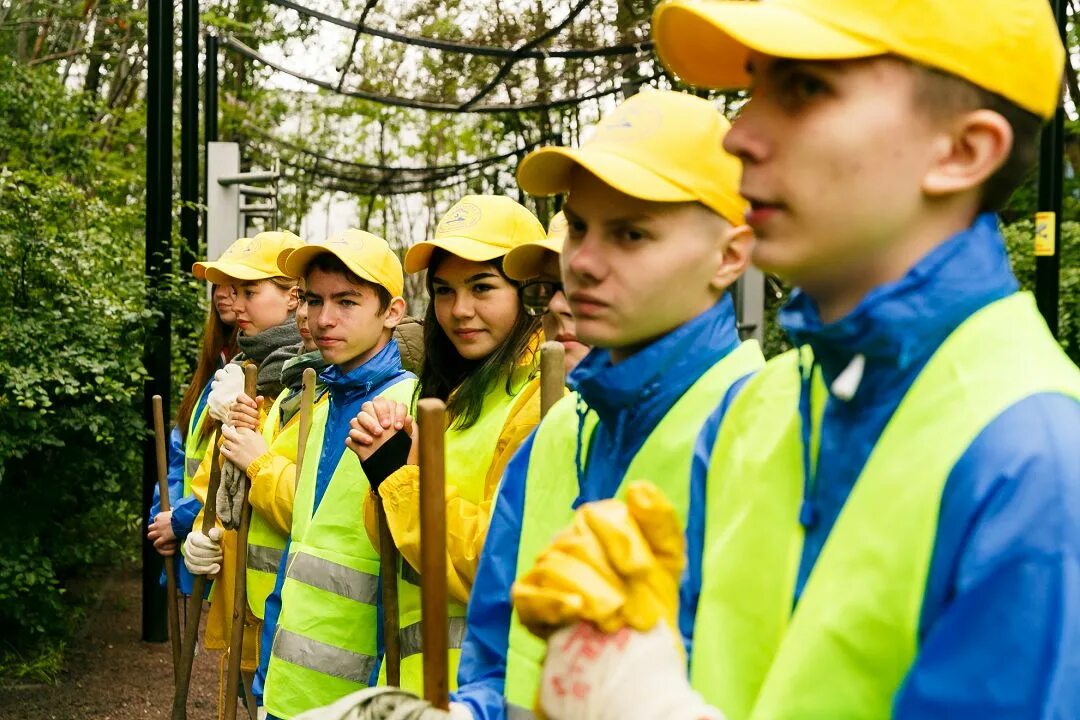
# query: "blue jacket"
348,392
184,508
630,399
1000,625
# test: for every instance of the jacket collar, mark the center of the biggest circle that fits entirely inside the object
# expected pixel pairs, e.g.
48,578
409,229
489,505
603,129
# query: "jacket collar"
383,367
902,323
666,367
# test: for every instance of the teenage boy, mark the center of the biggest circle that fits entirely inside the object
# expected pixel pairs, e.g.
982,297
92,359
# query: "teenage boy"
325,635
653,205
894,506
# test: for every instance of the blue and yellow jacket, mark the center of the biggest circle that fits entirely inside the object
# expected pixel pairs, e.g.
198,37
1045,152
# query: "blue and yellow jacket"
630,399
1000,620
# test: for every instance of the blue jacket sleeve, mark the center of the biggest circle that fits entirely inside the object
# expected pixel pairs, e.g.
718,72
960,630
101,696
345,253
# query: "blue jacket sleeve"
184,513
1000,628
175,454
271,613
690,585
482,670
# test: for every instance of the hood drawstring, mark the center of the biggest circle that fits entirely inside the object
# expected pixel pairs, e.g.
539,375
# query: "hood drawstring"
807,510
579,454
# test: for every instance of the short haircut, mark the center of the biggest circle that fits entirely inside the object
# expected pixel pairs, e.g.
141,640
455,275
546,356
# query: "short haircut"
944,95
331,263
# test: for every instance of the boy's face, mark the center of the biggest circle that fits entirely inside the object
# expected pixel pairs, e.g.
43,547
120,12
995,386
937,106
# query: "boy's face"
634,269
558,321
834,158
345,319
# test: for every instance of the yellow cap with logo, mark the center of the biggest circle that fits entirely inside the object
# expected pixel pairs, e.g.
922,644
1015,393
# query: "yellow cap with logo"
367,256
1009,47
525,261
252,258
661,146
479,228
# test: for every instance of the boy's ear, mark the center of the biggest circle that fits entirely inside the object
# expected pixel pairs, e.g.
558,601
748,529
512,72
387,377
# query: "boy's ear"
737,246
970,150
395,313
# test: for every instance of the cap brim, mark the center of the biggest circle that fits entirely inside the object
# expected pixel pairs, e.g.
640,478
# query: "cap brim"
419,255
226,273
707,44
295,263
547,171
525,261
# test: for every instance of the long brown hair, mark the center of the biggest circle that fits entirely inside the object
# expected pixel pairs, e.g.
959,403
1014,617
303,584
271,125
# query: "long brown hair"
462,384
216,337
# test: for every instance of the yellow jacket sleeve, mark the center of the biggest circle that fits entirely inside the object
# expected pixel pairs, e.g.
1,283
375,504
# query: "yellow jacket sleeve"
466,522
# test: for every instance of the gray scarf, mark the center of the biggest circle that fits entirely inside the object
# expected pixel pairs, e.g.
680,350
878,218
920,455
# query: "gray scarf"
270,349
292,376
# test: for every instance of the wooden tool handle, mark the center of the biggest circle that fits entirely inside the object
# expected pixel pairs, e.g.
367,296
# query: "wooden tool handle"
307,409
431,414
552,375
239,614
388,564
170,560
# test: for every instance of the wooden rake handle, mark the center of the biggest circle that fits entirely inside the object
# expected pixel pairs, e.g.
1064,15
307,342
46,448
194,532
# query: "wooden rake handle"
170,561
239,614
552,375
431,414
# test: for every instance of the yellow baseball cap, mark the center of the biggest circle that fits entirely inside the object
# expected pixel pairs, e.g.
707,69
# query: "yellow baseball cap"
479,228
367,256
1009,47
252,258
525,261
661,146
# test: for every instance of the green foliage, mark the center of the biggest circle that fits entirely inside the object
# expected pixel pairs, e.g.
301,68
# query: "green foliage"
71,327
1019,238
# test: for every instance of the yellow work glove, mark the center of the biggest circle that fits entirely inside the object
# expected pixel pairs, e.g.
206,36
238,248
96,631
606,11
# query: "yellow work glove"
617,565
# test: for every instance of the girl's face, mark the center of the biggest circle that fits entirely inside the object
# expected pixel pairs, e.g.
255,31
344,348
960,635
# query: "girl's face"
558,321
302,321
224,296
261,305
475,305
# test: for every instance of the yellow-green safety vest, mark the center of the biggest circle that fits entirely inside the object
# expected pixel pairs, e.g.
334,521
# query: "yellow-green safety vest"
552,486
848,645
325,645
265,544
469,454
194,446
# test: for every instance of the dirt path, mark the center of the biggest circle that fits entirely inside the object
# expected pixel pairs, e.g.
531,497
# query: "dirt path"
110,674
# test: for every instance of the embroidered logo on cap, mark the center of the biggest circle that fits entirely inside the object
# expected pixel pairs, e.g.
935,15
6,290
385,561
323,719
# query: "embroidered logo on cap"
464,216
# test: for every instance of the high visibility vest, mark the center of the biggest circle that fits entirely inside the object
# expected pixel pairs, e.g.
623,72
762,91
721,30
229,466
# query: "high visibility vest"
852,638
195,446
469,453
325,645
265,543
552,486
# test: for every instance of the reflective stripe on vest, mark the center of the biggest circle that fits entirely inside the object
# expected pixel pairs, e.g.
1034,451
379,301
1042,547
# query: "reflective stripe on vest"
265,543
333,578
412,637
323,657
850,642
469,454
331,583
664,459
263,559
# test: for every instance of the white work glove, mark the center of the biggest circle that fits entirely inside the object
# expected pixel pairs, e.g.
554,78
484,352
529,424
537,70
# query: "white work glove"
380,703
202,552
260,713
628,675
227,384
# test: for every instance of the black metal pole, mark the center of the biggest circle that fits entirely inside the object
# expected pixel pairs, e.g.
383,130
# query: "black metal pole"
210,110
157,351
189,133
1051,189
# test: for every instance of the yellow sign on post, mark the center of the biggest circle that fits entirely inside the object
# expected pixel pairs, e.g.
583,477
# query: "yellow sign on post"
1045,240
